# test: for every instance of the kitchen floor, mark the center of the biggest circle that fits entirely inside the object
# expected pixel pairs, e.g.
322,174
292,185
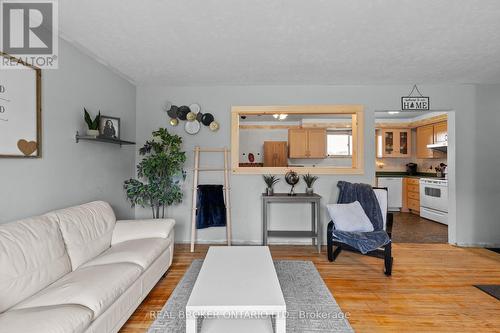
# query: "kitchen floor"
411,228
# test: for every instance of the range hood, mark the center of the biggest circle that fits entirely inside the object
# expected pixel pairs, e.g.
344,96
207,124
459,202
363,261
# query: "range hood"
441,146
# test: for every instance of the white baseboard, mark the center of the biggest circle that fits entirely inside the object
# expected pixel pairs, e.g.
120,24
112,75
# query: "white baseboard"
246,242
489,245
305,242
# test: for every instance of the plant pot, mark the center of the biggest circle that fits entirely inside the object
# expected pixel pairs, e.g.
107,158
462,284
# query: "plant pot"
309,191
270,191
94,133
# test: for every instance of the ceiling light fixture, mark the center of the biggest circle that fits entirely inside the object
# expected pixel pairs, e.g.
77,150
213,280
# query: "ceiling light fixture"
280,116
392,112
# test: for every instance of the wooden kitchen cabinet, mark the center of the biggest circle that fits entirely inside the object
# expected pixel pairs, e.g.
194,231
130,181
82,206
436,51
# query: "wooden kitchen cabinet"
425,136
316,140
307,143
411,195
430,134
395,143
441,132
275,154
297,141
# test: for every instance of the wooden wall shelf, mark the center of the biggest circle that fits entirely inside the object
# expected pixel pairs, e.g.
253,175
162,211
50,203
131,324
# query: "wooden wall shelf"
79,137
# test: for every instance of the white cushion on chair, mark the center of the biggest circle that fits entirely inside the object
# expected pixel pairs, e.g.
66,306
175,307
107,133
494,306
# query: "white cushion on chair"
381,195
349,217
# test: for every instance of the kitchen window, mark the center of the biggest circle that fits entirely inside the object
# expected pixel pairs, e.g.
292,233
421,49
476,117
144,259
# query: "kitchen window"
339,143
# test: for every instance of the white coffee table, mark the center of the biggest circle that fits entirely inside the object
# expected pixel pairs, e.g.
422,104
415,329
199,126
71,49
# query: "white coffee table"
237,282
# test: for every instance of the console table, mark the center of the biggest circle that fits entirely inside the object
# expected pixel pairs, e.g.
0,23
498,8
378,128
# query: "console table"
314,233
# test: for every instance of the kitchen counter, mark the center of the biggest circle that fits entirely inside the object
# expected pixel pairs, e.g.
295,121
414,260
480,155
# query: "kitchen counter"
403,174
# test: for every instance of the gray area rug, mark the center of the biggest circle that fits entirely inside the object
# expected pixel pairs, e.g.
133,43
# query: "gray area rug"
310,305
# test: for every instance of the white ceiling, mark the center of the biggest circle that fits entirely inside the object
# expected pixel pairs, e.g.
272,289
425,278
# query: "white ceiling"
208,42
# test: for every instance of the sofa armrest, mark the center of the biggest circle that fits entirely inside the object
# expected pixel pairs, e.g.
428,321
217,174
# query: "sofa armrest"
136,229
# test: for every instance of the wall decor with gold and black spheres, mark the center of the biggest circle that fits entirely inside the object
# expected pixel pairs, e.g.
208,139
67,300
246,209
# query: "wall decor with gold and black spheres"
214,126
193,114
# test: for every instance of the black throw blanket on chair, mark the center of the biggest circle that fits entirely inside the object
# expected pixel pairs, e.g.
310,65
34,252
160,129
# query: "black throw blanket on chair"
211,210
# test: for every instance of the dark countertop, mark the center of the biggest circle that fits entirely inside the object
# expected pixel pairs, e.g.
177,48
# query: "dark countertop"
403,174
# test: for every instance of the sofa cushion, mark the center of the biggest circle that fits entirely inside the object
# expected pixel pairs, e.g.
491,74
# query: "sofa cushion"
95,287
86,229
141,252
32,256
47,319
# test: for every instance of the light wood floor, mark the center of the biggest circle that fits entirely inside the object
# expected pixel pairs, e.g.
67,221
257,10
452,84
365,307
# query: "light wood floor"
431,289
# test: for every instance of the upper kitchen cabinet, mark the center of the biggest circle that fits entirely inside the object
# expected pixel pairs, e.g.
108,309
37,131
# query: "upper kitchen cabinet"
394,143
307,142
297,141
316,141
430,134
441,132
425,136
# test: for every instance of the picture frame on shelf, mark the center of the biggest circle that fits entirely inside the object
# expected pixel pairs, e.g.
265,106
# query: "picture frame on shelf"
109,127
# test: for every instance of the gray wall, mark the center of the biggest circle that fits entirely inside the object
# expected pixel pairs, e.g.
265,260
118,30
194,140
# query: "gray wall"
486,227
246,189
70,173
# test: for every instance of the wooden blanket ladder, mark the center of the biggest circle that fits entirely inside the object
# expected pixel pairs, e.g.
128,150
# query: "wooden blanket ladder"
196,170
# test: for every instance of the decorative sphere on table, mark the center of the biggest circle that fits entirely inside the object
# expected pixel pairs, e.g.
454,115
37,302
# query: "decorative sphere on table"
292,178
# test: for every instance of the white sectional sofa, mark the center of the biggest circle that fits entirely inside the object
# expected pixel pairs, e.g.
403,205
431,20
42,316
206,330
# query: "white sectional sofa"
78,269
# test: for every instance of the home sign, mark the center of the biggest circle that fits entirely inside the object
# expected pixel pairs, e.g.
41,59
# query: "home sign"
410,103
415,102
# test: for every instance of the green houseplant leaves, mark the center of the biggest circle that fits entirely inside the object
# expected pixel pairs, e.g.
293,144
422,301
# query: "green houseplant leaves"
92,124
157,185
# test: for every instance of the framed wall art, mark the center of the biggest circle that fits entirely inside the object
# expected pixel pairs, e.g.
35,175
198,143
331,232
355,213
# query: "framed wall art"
20,110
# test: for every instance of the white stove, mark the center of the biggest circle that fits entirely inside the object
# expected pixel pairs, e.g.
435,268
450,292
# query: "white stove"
434,199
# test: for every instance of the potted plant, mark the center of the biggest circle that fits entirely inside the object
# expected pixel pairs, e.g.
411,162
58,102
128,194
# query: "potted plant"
440,170
157,185
270,181
93,125
309,180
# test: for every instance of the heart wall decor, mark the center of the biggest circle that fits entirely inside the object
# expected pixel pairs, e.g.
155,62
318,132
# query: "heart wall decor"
27,147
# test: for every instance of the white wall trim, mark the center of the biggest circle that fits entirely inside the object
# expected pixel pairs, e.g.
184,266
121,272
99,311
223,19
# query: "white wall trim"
482,245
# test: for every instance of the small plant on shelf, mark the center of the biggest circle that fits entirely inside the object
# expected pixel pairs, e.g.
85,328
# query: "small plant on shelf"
93,125
309,180
270,180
